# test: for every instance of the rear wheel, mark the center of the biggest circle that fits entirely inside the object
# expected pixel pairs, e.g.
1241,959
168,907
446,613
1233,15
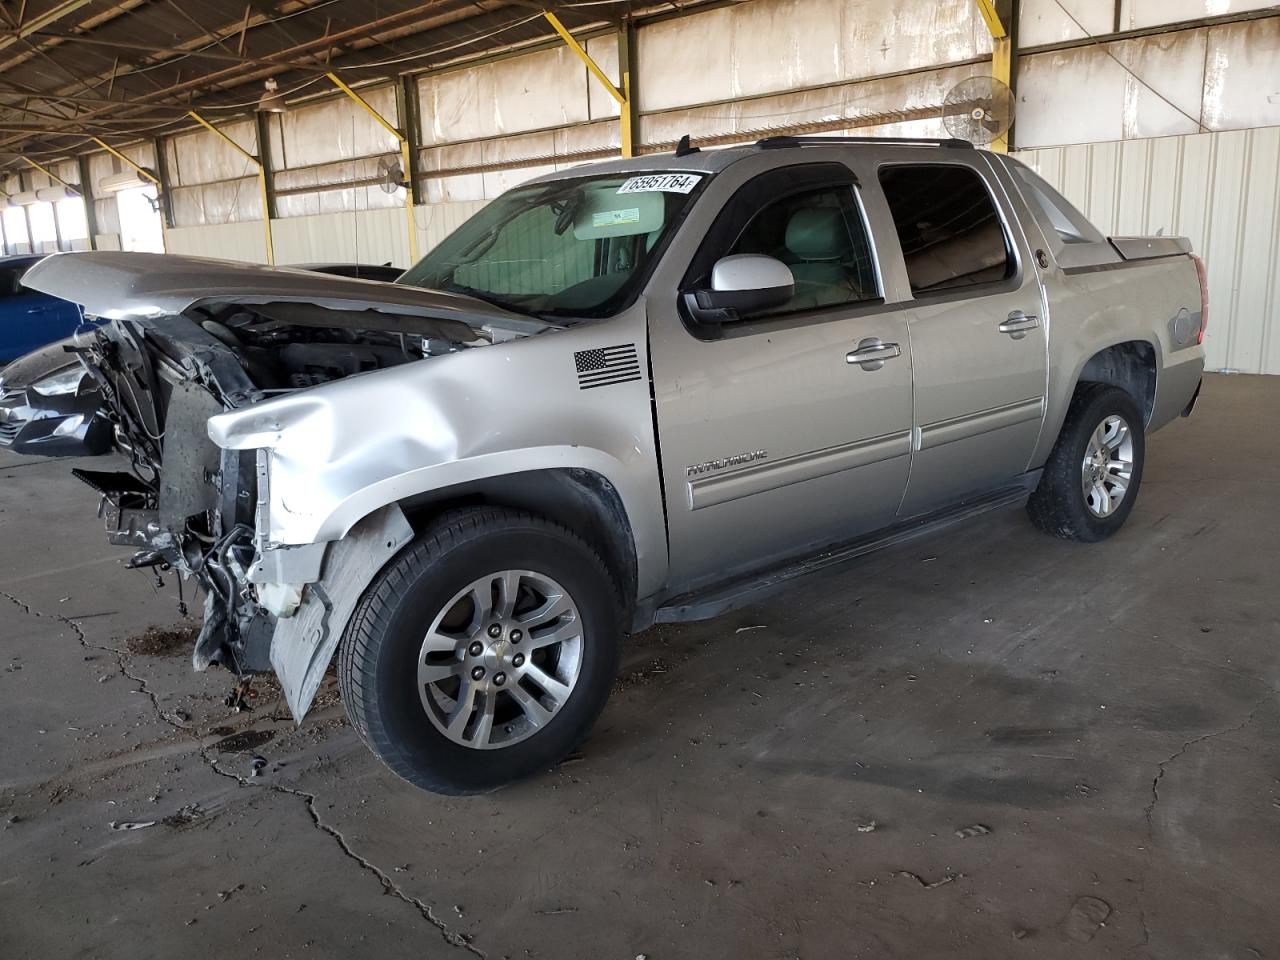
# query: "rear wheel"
483,652
1091,480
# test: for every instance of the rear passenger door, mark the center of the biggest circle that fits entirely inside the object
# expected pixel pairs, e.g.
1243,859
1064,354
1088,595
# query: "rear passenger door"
977,341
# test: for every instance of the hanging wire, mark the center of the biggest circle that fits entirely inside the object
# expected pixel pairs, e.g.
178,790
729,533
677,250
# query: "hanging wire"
1101,45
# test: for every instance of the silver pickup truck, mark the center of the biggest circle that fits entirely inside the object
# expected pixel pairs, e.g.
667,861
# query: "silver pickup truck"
640,391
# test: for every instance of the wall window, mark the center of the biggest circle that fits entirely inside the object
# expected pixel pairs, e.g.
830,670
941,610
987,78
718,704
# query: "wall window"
947,223
140,227
44,232
72,224
15,230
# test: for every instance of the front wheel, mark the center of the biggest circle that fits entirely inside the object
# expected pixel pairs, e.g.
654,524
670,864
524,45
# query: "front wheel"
1091,480
483,652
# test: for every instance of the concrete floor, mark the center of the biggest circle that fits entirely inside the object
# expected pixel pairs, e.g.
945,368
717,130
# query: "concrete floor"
786,782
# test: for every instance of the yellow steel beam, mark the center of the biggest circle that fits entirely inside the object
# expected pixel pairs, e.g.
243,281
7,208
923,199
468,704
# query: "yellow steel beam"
1001,63
262,179
621,94
223,137
585,57
53,176
403,139
1001,57
994,24
141,170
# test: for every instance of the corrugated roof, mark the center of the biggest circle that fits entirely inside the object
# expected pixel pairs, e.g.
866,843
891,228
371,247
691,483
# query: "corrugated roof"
74,69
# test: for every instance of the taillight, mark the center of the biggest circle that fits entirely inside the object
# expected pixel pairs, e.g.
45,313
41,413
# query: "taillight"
1203,276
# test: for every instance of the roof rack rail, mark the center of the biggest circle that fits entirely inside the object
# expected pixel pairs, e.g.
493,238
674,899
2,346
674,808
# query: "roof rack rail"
779,143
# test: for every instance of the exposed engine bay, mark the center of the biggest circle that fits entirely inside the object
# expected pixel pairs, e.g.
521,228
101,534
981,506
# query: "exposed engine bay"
186,505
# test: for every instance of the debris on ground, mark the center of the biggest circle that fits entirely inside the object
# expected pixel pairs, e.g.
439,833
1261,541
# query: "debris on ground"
869,827
162,641
555,911
758,626
925,883
185,816
640,675
1085,917
259,764
225,895
244,741
132,824
973,830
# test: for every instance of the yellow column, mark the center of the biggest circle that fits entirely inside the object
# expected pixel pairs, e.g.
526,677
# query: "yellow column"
262,178
404,158
623,95
1001,57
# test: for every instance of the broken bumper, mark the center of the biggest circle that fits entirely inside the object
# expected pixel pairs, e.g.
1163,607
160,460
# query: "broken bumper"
306,636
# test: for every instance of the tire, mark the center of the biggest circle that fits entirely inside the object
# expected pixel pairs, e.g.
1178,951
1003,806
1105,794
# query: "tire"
1060,505
395,687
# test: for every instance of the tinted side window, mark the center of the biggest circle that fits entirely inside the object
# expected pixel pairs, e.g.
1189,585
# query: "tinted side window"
819,235
947,223
11,281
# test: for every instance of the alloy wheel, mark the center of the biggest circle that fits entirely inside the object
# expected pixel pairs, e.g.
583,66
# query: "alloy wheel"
1108,466
500,659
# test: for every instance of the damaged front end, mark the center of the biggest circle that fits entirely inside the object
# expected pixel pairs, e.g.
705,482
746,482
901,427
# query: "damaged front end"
184,504
166,364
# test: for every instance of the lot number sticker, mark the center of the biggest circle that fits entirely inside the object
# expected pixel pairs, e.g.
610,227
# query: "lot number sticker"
661,183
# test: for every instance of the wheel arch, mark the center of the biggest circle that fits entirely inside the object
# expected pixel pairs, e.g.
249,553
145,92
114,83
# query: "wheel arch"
583,500
1131,365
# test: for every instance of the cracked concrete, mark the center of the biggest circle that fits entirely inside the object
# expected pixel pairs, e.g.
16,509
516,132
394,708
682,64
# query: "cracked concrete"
309,799
1108,712
389,885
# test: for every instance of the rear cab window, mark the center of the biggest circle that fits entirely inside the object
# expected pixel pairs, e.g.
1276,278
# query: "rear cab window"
950,231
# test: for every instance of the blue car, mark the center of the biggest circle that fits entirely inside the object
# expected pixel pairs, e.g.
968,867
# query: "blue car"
29,319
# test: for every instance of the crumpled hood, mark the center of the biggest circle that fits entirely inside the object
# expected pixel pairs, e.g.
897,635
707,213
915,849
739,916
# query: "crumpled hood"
113,285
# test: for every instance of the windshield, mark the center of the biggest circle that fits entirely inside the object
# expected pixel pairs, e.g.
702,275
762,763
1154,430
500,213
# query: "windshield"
576,248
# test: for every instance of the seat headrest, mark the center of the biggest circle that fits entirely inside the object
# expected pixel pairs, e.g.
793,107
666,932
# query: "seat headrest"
817,234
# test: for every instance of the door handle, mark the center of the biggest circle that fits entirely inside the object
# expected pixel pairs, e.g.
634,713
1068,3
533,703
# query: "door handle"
871,353
1018,324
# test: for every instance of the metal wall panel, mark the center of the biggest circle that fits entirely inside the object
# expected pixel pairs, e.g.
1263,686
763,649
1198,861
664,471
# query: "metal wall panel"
231,201
1053,21
1136,14
1220,189
547,88
223,241
770,46
336,129
200,157
754,117
364,236
1191,81
1242,75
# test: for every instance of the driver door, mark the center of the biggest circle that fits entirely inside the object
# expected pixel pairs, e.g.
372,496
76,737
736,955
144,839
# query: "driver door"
773,442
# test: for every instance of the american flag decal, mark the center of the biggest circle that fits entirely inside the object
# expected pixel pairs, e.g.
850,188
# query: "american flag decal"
607,365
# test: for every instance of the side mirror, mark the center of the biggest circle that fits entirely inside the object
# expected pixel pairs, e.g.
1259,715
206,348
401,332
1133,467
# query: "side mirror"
741,285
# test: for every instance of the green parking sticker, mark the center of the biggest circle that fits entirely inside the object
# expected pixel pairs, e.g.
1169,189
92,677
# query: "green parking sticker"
613,218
